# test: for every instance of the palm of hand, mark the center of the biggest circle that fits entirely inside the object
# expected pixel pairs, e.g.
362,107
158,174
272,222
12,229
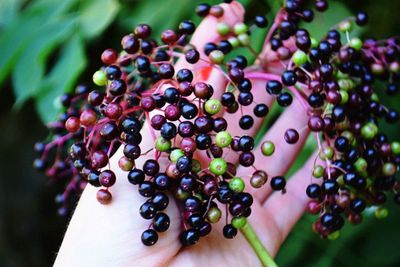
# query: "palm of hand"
110,235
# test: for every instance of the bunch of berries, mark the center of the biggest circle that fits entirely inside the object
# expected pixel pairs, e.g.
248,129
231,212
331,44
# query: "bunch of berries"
172,122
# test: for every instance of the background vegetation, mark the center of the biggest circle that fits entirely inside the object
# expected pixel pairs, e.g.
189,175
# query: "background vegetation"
47,46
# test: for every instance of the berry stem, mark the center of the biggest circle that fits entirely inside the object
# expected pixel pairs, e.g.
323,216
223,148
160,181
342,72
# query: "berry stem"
262,253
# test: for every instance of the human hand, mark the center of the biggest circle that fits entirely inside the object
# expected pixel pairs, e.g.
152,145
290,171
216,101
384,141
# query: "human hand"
109,235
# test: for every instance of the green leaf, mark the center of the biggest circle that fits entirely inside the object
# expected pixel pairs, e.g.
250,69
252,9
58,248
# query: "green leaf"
275,5
62,78
30,67
8,11
17,36
96,15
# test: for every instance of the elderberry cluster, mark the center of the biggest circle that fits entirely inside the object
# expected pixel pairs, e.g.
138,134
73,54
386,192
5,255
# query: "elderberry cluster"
193,154
336,79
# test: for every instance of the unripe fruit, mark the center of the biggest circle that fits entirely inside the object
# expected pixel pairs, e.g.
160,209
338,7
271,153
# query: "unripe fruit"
176,154
361,165
236,184
218,166
162,144
223,139
333,236
299,58
216,57
267,148
99,78
395,147
326,153
214,215
212,106
356,43
223,28
318,171
369,130
244,39
240,28
381,213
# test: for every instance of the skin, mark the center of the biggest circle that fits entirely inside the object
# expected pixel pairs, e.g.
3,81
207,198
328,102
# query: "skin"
109,235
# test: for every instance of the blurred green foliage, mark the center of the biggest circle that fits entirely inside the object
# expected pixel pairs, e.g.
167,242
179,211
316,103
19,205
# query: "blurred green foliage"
48,46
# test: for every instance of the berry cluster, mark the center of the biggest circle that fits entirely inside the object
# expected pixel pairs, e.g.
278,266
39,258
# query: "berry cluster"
193,154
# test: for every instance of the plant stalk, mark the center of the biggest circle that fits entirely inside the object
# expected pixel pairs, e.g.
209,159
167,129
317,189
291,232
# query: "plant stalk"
257,246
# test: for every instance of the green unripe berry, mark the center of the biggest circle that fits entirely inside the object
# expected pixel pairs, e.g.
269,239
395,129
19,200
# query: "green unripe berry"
326,153
214,214
299,58
212,106
388,169
344,97
314,42
244,39
239,222
218,166
234,42
346,26
318,171
340,180
216,57
240,28
395,146
333,236
341,75
236,184
356,43
346,84
196,166
267,148
176,154
99,78
369,130
163,144
223,28
181,194
223,139
375,97
361,165
381,213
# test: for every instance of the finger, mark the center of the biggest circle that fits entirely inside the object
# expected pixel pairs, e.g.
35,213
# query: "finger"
285,154
288,208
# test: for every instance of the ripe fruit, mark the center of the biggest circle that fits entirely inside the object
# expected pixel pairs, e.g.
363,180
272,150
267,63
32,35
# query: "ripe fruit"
187,133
